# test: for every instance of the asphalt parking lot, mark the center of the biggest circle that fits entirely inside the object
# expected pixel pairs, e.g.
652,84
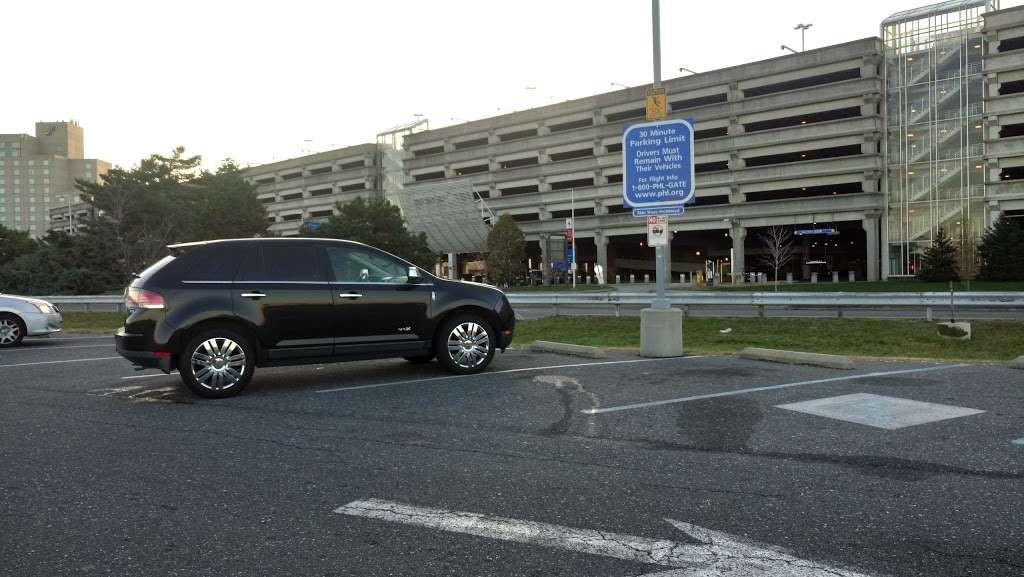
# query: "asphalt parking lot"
544,465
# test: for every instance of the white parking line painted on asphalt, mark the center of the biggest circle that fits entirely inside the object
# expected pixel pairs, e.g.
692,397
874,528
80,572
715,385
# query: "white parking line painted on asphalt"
715,553
57,362
766,388
37,348
150,375
506,371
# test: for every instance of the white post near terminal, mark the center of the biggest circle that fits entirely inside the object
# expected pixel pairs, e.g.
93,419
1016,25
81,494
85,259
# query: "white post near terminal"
453,272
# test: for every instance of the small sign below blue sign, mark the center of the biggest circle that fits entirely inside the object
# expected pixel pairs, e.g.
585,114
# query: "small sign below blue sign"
659,211
806,231
657,164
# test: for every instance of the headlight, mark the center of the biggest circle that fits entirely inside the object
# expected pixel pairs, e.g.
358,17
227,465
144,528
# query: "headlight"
43,308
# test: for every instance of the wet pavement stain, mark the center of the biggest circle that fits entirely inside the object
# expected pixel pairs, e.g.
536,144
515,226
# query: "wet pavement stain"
146,394
719,424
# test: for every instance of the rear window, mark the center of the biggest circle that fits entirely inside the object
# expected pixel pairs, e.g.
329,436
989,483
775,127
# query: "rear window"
153,269
210,264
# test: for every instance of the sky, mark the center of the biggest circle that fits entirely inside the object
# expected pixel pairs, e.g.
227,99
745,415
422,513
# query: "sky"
260,81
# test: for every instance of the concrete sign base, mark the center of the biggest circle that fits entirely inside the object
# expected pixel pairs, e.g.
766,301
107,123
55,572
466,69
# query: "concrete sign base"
661,333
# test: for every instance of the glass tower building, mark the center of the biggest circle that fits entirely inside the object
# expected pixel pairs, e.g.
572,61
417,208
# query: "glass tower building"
935,131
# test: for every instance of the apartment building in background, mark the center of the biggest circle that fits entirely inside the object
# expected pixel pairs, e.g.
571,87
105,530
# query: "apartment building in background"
37,177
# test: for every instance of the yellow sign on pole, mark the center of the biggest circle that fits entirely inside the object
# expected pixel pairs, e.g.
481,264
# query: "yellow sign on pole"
656,104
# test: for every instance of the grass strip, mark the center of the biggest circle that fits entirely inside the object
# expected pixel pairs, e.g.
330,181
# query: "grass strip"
992,340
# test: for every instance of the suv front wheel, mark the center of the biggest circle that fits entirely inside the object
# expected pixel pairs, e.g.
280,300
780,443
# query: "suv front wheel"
464,345
217,363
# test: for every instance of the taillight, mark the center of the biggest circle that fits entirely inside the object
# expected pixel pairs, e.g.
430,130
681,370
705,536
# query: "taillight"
137,298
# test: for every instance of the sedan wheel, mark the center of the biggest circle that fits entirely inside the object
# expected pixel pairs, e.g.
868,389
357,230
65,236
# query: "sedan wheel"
11,331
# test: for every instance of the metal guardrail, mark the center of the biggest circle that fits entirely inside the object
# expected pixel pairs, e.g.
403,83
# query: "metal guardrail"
760,300
89,303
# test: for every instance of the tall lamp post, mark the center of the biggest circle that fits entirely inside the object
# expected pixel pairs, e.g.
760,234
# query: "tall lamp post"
803,29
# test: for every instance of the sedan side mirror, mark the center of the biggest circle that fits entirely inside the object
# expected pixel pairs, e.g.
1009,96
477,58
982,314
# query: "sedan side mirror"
414,275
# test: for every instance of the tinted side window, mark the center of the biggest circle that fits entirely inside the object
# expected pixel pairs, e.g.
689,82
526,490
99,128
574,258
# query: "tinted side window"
293,262
212,263
354,264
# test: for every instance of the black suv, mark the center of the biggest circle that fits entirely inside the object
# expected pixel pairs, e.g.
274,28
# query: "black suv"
218,309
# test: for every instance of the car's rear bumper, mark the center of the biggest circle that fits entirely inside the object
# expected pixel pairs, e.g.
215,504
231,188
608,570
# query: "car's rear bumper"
40,324
130,346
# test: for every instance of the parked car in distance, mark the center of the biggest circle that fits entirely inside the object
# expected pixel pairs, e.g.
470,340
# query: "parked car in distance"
216,310
22,317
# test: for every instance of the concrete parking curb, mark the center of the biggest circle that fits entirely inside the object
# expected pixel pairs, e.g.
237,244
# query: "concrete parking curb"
568,349
1017,363
797,358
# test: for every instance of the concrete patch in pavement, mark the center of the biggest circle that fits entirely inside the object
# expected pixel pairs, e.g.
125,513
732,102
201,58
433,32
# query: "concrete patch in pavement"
797,358
568,349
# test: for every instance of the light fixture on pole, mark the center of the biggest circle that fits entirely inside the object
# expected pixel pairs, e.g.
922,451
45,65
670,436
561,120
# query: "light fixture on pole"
803,29
784,47
681,69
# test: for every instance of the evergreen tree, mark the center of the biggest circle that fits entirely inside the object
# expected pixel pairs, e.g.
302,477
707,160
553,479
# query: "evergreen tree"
939,261
377,223
506,248
1002,251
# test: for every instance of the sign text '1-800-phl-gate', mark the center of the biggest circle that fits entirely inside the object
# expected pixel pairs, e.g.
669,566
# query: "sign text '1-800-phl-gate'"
657,161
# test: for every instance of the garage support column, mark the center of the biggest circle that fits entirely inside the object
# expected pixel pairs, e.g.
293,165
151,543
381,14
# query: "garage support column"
601,242
870,226
453,272
545,260
738,233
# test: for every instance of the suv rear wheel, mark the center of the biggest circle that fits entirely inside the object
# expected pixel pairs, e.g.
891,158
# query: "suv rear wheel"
465,344
217,363
12,330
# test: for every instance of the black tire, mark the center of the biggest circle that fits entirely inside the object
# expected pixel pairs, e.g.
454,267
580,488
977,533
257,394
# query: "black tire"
463,361
224,377
421,359
12,330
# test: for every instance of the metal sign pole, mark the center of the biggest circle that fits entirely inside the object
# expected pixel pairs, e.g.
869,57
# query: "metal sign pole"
660,302
572,218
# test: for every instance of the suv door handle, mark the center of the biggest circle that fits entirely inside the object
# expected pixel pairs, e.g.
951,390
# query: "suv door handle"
350,295
253,295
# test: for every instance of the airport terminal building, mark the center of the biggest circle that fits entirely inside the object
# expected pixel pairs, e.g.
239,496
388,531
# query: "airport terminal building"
868,147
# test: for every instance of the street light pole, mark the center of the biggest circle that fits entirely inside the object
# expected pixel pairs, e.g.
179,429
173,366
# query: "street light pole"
803,29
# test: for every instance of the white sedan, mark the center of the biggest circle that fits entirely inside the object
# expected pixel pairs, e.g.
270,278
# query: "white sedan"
23,316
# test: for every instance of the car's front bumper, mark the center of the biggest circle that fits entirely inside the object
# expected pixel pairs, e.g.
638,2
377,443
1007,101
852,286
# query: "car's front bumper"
41,324
130,345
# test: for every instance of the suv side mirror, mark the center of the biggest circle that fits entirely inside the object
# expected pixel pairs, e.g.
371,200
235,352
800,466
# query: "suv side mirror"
414,275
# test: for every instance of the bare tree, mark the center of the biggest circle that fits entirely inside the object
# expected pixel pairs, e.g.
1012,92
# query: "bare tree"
778,242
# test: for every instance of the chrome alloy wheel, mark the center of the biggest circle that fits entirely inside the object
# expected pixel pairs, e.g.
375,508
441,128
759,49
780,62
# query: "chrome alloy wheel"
9,331
468,345
218,363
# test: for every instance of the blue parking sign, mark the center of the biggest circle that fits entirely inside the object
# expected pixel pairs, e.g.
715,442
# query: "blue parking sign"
657,164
